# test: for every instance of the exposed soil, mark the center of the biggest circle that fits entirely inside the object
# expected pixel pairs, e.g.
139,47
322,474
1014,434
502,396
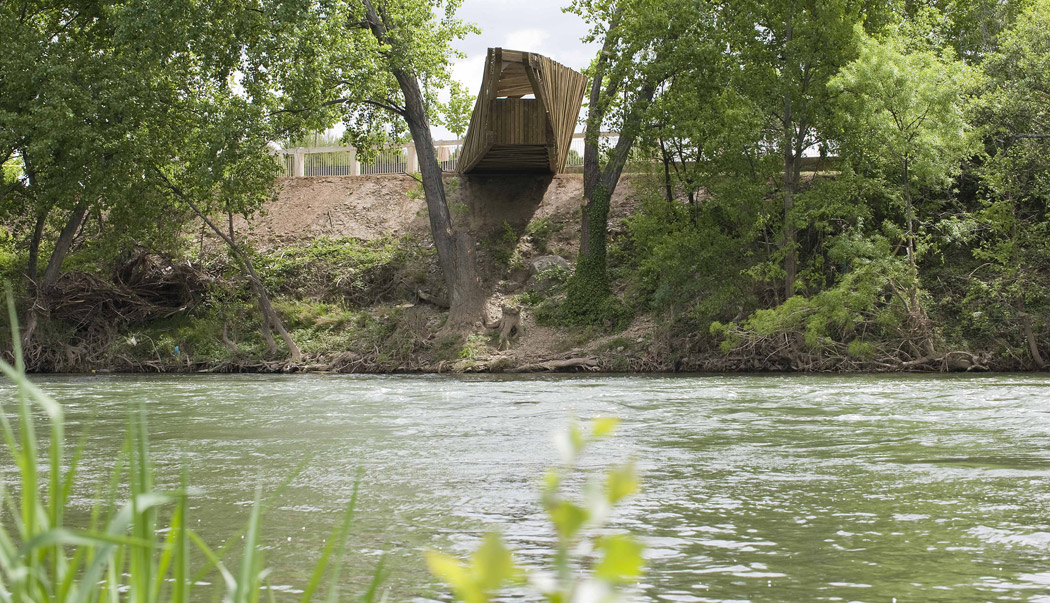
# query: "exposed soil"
371,207
364,207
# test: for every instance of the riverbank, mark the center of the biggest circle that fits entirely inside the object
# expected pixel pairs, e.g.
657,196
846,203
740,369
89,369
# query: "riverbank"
354,276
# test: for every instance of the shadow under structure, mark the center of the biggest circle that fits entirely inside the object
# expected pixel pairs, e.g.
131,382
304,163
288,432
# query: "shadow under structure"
525,115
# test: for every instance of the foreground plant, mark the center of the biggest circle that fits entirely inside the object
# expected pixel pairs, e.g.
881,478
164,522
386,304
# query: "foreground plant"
590,565
123,553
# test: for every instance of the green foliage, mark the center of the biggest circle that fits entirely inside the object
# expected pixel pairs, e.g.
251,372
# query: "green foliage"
127,550
681,264
447,348
866,306
540,231
11,257
474,346
902,112
529,298
583,539
501,244
345,270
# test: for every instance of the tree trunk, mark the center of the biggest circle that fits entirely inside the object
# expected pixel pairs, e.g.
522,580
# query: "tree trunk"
909,214
269,315
52,272
790,188
1029,336
270,319
455,247
595,116
668,191
34,247
62,245
589,284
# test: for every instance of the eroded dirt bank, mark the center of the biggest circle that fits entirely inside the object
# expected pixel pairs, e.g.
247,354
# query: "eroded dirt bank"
517,221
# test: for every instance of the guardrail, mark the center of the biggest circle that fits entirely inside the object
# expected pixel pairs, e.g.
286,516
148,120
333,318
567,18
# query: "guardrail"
304,162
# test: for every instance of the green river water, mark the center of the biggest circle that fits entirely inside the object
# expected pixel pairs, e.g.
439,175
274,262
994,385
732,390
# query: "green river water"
755,488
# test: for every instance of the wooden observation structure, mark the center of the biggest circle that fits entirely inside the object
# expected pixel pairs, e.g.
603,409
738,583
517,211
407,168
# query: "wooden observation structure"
525,115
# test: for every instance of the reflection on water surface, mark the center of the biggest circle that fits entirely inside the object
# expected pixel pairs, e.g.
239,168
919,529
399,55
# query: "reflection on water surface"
756,488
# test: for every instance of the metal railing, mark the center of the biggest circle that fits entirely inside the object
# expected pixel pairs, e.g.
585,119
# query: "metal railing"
303,162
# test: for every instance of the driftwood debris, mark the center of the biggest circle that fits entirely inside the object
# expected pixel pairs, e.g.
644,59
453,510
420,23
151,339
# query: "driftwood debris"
144,288
551,366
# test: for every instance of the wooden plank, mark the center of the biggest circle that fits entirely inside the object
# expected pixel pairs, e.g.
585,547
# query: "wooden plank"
513,56
537,78
509,132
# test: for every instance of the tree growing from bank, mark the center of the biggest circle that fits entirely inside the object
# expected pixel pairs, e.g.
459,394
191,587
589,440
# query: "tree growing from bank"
902,112
141,131
787,50
638,39
1011,286
68,112
380,67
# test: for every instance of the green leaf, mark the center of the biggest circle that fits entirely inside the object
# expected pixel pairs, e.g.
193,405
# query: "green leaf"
493,563
604,426
568,518
621,559
620,483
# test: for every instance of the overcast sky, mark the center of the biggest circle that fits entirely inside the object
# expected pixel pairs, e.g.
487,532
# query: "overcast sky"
529,25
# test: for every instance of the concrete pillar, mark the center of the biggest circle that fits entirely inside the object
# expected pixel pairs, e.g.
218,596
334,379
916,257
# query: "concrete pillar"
299,164
412,160
355,166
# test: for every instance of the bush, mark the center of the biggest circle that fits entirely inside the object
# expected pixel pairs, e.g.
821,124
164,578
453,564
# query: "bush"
346,270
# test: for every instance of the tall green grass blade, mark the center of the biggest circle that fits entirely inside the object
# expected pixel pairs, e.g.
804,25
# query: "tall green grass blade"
335,543
248,575
216,562
180,546
63,536
117,526
143,521
378,578
5,424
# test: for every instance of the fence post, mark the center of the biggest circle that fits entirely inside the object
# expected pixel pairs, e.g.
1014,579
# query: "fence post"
299,164
412,159
355,167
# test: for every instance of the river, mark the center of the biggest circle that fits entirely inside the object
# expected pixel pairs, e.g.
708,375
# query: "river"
759,488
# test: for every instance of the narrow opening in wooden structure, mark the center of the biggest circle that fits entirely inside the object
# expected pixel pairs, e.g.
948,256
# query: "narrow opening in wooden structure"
525,114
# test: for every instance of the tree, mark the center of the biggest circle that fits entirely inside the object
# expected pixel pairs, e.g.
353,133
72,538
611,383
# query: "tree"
638,38
111,119
903,113
1015,217
402,27
380,68
787,51
75,113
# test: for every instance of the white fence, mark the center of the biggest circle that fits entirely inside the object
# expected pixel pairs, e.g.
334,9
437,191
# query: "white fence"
342,161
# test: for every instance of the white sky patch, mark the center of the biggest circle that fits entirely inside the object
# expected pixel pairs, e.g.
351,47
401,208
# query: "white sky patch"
528,25
469,71
526,39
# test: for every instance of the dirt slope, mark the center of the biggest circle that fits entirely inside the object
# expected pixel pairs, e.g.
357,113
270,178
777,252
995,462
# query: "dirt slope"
369,207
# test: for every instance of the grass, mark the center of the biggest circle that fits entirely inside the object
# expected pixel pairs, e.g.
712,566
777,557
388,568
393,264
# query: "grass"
139,549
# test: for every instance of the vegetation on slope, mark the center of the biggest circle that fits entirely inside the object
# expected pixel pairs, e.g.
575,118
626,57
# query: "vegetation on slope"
853,186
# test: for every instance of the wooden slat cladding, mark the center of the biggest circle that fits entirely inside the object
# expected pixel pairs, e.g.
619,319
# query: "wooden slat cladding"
510,133
518,121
